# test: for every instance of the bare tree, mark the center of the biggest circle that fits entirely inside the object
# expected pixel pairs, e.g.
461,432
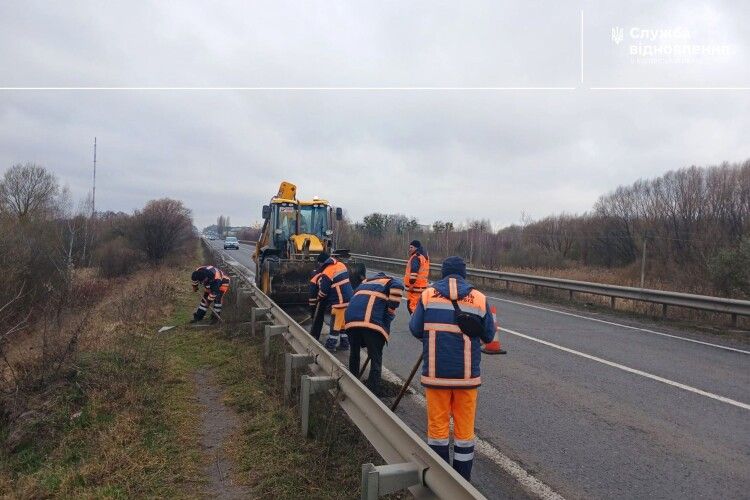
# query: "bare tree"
28,190
162,227
221,225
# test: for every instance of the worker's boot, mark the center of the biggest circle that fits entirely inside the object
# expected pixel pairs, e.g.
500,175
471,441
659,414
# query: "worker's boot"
344,343
375,388
214,319
331,342
196,317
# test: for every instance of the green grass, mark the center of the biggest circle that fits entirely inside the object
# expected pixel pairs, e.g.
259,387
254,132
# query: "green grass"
274,459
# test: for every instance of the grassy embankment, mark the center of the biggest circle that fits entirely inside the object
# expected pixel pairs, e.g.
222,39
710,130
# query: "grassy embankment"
123,419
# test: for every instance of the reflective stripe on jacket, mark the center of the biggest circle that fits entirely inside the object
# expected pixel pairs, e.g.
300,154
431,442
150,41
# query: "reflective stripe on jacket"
333,285
313,297
374,304
417,275
451,359
214,280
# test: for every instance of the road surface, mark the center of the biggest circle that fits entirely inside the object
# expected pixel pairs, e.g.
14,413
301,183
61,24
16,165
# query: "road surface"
592,407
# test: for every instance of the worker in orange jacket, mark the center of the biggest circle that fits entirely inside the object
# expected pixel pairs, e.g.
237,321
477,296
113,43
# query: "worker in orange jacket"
216,285
416,277
452,319
330,287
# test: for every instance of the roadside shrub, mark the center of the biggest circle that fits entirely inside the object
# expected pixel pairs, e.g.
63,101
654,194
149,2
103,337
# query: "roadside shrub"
162,228
249,233
116,258
730,269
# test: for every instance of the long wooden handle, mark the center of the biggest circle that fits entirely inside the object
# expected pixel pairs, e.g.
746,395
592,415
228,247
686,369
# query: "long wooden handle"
364,367
406,383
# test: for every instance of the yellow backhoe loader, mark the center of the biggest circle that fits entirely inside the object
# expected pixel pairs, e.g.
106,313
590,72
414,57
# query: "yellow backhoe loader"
294,234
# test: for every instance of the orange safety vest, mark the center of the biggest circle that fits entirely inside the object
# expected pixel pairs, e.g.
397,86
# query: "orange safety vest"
338,275
218,275
451,359
421,277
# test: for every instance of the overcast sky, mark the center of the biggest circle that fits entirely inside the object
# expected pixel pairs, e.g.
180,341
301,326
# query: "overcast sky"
417,136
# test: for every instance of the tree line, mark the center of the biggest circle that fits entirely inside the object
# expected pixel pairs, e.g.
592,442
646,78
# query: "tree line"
694,223
48,241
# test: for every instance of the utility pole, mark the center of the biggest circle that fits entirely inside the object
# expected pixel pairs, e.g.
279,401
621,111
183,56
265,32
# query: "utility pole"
93,191
643,260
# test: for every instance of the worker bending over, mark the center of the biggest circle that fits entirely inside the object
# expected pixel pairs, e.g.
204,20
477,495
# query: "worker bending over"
215,284
330,290
450,318
368,323
416,277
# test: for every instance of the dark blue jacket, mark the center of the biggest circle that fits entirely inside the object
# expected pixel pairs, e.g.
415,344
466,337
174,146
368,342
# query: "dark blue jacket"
374,304
330,285
212,278
451,359
415,262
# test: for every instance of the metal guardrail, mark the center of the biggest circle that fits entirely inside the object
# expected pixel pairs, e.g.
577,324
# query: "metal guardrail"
411,458
734,307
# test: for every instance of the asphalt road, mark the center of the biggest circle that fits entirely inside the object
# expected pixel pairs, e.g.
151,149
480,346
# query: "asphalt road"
594,407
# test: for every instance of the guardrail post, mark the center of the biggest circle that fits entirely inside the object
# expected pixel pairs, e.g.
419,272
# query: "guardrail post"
734,320
308,386
243,297
507,284
245,292
570,294
612,302
664,310
255,316
271,331
292,361
383,479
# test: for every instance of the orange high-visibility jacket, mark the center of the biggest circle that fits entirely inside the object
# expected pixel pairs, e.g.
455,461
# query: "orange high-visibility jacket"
331,285
451,359
417,273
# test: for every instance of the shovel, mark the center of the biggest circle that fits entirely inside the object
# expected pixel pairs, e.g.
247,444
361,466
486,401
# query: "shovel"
406,383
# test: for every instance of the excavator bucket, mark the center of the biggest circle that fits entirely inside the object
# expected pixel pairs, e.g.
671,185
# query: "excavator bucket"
287,282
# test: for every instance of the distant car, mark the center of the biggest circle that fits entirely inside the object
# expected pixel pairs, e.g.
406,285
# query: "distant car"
231,242
211,237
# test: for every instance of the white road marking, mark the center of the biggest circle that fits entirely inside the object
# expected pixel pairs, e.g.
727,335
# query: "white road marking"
528,482
718,346
695,390
676,337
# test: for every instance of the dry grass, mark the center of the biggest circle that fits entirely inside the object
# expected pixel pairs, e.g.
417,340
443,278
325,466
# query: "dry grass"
122,419
117,421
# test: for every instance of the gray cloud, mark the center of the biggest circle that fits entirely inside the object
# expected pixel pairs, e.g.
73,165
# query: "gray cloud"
433,154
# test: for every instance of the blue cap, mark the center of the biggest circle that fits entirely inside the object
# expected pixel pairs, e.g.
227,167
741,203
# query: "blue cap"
454,265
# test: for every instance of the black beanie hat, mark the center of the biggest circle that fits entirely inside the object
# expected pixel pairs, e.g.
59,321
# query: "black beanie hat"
323,257
454,265
416,243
